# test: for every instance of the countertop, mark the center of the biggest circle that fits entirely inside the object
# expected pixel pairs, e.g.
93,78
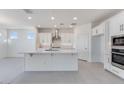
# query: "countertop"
59,51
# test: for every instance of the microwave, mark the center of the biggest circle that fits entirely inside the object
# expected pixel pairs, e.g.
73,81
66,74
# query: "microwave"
118,41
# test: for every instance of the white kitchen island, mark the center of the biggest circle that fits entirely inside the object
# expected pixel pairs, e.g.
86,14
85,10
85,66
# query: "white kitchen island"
60,60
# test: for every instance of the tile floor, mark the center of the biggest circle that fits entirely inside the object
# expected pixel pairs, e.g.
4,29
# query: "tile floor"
12,71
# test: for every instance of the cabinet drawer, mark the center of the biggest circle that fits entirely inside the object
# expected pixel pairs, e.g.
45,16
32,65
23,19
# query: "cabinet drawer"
119,72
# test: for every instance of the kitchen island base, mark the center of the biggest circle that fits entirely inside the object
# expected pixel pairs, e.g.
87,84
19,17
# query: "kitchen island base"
51,62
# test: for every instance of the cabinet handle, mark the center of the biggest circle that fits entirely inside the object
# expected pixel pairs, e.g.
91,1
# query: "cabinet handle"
122,27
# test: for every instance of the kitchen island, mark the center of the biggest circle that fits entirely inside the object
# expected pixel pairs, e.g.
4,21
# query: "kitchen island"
51,60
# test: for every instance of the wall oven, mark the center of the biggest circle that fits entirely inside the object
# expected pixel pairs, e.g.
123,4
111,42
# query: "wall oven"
117,51
118,58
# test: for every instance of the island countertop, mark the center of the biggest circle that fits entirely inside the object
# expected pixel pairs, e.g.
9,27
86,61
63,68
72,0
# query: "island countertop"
57,51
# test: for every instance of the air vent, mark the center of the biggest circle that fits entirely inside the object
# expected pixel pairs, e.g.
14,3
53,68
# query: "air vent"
61,24
73,24
28,11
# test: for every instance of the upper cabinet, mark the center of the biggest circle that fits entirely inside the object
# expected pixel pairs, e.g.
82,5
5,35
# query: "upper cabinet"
67,40
117,24
45,39
98,30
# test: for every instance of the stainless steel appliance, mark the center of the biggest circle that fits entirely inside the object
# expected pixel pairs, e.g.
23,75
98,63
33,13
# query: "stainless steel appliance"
118,51
118,58
118,40
56,39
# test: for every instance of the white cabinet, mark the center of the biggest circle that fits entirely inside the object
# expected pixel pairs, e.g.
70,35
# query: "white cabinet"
107,62
98,30
107,54
117,24
61,61
67,40
32,62
98,43
94,31
113,26
117,71
45,39
51,62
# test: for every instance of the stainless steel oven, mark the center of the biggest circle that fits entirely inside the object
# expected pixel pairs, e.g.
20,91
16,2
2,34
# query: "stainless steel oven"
118,51
118,58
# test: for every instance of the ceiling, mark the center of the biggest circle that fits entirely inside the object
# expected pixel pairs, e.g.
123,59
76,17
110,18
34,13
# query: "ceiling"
42,17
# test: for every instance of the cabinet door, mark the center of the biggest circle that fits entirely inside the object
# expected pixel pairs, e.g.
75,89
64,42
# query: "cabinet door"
117,24
38,62
45,39
121,23
114,26
64,61
107,38
98,30
101,29
67,40
107,62
94,31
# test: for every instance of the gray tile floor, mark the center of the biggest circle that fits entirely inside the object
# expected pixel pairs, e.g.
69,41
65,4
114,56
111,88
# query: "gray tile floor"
10,68
89,73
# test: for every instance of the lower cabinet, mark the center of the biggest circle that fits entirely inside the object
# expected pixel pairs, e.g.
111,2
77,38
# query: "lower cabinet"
107,63
117,71
64,61
51,62
37,62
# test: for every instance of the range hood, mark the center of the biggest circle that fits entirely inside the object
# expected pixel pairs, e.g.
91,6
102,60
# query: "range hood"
56,35
56,39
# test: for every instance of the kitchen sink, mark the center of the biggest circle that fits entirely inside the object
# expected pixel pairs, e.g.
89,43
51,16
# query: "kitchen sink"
51,49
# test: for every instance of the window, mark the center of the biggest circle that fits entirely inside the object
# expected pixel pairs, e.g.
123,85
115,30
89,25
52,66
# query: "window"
31,35
13,35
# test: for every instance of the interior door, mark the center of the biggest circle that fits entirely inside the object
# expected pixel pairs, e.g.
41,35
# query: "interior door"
82,46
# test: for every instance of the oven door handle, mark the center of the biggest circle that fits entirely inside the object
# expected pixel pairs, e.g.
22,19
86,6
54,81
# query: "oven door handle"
118,53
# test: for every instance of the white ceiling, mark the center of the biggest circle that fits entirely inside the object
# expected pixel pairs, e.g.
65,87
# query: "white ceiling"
18,17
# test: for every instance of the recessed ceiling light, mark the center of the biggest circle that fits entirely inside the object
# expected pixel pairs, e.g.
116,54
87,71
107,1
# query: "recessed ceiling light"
75,18
55,25
29,17
38,25
52,18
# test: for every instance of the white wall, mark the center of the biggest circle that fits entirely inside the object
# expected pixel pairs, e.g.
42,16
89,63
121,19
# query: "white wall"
3,43
21,44
82,41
